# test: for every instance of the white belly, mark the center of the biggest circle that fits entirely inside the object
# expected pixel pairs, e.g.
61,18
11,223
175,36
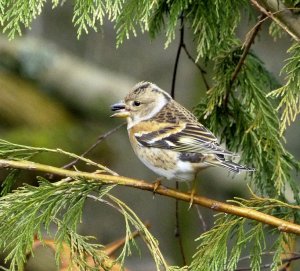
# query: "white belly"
174,169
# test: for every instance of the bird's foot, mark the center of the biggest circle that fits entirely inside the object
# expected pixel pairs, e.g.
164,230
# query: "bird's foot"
192,198
193,193
156,184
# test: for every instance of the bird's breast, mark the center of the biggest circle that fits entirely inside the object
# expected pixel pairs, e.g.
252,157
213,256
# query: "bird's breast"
163,162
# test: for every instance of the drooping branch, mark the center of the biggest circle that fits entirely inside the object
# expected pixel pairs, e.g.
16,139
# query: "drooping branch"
277,11
280,224
249,40
174,77
181,42
247,45
182,46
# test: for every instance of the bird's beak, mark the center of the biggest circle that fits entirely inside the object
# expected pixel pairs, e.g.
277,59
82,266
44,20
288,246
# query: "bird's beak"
121,111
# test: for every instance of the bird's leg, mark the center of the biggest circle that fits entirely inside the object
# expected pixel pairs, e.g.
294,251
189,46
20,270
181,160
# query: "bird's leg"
157,183
193,192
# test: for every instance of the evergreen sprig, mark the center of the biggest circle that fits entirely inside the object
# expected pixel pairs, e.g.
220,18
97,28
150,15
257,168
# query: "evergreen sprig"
289,93
276,31
211,22
86,14
134,13
29,211
14,151
214,25
241,111
214,252
132,219
246,120
17,14
10,150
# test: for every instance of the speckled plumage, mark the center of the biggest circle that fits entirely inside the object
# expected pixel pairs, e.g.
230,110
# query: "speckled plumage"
167,137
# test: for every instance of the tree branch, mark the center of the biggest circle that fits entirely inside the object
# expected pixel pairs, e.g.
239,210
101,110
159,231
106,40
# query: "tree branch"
277,11
98,141
247,45
177,227
181,46
285,261
280,224
178,234
181,42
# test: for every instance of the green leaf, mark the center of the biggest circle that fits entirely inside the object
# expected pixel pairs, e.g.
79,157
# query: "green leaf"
9,181
247,121
220,247
288,94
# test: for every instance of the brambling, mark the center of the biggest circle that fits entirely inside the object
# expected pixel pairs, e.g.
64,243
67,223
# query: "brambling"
167,137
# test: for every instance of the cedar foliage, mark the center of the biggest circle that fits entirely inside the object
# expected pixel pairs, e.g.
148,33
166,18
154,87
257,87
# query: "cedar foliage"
250,113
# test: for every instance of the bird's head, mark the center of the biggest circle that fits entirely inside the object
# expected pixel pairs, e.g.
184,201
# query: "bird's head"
143,102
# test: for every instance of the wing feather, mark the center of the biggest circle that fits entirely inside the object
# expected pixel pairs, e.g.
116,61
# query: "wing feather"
182,137
176,128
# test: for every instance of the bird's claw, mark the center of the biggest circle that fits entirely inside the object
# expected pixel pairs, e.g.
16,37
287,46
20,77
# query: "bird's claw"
156,184
192,198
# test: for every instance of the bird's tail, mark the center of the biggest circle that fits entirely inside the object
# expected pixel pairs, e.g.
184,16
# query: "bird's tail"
229,165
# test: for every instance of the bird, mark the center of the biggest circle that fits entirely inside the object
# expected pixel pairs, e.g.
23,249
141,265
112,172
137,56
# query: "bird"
168,138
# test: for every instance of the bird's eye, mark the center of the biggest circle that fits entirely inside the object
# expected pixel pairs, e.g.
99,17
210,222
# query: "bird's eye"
136,103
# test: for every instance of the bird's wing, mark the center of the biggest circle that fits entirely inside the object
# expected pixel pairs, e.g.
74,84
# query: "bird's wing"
181,137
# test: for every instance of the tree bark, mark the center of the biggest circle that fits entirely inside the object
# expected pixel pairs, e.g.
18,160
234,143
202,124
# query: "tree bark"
280,224
281,14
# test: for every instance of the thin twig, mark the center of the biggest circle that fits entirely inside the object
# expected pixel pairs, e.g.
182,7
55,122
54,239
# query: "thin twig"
181,46
193,59
98,141
250,36
247,45
174,77
202,71
177,229
268,253
264,266
268,265
284,17
177,226
181,42
280,224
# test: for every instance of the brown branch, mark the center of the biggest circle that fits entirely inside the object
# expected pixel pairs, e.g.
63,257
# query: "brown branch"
277,11
280,224
247,45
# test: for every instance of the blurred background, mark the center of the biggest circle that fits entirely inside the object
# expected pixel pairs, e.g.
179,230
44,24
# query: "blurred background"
56,92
